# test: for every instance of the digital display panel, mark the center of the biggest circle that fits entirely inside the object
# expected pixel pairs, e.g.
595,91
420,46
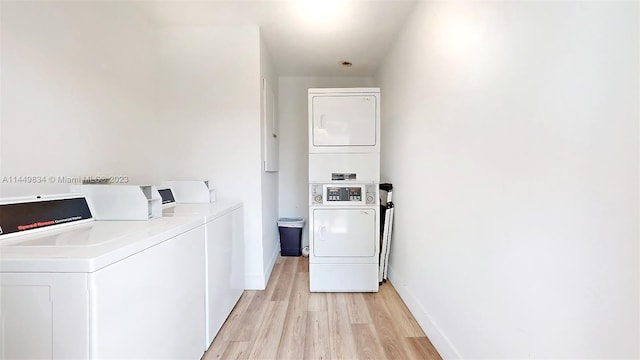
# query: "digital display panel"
167,196
344,193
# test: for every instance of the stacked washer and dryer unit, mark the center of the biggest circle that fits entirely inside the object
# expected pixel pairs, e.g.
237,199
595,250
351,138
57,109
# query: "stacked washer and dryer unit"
344,176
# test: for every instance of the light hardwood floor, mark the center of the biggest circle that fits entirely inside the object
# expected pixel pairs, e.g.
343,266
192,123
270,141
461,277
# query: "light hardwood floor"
286,321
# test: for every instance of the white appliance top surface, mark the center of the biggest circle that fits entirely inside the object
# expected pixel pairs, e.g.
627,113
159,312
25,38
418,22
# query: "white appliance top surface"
209,211
343,90
90,246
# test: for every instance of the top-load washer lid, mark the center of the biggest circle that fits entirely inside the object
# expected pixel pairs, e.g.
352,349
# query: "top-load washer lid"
208,211
86,235
88,247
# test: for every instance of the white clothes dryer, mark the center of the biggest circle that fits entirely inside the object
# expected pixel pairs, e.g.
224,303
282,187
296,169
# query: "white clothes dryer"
344,223
344,120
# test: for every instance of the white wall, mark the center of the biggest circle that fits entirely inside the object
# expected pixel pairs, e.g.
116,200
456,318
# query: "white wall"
294,142
77,93
510,131
270,237
94,88
210,108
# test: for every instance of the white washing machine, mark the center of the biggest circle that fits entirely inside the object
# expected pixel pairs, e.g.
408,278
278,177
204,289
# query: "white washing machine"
75,288
224,255
344,223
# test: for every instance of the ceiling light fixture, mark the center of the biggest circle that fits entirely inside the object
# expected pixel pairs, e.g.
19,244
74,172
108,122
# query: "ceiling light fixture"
321,13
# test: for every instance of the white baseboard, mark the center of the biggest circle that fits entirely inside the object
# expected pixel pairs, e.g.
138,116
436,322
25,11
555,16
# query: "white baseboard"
254,282
272,262
257,281
439,340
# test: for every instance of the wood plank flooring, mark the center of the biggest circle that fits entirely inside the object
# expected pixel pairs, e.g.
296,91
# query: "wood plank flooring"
286,321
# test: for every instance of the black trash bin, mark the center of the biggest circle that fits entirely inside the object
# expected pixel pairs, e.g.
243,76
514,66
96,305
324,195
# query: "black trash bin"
290,236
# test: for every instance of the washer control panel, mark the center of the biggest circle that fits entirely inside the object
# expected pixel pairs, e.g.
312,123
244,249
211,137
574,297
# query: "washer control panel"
343,194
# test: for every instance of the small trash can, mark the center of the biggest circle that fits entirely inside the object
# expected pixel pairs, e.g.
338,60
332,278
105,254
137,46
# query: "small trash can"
290,236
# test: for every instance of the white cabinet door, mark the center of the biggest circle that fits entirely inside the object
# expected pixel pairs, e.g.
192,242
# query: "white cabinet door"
270,128
44,316
344,120
344,232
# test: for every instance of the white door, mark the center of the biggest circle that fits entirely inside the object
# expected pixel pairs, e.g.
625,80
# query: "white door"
344,232
44,316
270,128
344,120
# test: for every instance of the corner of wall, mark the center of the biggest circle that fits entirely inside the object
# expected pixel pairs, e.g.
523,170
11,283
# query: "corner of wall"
271,263
259,281
437,337
254,282
269,180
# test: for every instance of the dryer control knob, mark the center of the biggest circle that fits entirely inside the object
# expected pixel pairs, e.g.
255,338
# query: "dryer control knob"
317,198
370,199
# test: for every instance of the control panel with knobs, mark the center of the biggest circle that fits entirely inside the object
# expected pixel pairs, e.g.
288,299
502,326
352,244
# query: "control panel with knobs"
342,194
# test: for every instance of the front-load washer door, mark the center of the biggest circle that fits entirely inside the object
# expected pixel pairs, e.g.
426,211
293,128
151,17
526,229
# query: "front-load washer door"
344,232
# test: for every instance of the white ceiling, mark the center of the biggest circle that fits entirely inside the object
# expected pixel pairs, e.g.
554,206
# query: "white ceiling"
304,37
